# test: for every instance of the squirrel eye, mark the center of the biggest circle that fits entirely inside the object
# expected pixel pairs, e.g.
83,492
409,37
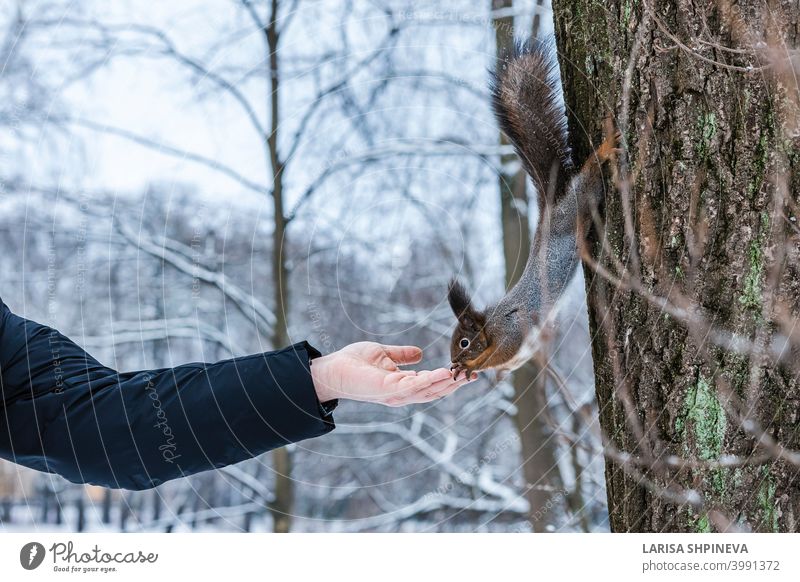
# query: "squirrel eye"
464,343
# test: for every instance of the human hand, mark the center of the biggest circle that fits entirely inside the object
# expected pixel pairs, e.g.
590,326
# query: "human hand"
370,372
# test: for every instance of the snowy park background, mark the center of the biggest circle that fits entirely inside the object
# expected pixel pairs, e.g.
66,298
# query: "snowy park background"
138,216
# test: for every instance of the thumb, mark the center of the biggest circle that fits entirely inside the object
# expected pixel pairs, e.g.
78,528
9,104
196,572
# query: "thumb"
403,354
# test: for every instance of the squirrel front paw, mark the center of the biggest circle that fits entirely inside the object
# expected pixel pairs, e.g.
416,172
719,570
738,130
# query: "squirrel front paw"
610,147
457,368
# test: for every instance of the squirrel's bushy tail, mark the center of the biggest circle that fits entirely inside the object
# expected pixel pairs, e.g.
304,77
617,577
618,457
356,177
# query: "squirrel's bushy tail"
528,106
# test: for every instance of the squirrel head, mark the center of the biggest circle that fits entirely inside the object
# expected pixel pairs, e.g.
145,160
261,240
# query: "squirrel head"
470,339
502,336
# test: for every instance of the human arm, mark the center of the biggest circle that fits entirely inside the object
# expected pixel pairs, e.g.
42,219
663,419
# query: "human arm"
63,412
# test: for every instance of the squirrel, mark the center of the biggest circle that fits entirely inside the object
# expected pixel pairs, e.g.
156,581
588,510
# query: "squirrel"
526,102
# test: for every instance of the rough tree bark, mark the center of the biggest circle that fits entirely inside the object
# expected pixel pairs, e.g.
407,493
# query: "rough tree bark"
709,123
538,457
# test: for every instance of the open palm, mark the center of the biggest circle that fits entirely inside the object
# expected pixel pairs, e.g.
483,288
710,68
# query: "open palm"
370,372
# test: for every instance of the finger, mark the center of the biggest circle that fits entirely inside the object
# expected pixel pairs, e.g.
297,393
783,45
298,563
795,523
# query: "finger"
439,389
403,354
425,379
428,397
442,385
414,382
454,385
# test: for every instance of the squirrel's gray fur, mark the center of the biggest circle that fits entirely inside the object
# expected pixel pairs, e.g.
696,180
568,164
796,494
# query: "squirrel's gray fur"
529,110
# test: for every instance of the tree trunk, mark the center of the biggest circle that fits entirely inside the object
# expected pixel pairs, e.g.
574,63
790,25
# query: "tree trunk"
700,240
281,506
538,458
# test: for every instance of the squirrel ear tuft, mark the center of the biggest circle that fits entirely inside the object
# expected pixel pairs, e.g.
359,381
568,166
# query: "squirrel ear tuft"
458,297
461,304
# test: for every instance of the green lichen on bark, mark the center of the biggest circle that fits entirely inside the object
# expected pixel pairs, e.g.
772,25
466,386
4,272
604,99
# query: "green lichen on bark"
702,525
701,428
766,501
759,166
628,11
704,419
707,128
752,295
736,370
698,522
762,152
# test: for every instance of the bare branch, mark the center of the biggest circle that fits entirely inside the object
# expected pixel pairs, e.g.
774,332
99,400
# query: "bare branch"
173,151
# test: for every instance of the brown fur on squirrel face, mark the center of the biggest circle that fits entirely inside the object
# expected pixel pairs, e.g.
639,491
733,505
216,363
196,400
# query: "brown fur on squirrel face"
526,101
485,339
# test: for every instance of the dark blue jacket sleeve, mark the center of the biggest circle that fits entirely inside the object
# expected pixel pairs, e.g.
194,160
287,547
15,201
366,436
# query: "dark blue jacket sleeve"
61,411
